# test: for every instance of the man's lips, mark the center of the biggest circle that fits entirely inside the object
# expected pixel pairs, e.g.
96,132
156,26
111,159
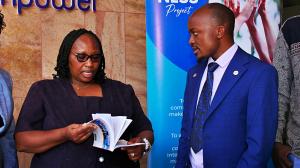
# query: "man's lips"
196,49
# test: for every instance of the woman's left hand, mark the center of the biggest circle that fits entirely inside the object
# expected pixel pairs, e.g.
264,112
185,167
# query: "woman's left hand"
135,152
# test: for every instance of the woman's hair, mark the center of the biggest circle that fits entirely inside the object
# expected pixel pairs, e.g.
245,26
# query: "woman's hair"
62,65
2,23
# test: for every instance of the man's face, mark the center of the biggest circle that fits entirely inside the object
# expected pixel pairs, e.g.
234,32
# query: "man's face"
203,34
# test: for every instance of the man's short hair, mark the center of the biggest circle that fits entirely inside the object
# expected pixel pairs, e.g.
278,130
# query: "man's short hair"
223,15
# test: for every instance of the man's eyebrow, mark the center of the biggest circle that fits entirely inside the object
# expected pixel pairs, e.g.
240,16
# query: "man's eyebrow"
192,29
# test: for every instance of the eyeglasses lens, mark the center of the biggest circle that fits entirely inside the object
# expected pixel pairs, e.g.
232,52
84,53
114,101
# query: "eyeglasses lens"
85,57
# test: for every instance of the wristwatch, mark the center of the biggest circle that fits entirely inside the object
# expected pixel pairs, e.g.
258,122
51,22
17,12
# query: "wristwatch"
147,145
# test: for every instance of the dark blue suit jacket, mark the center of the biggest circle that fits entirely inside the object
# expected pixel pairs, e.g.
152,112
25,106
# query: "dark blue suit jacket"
240,127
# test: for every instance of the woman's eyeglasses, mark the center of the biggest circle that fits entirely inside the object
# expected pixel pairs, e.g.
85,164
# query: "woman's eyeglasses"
84,57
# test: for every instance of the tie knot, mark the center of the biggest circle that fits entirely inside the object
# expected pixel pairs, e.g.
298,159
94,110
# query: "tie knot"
212,66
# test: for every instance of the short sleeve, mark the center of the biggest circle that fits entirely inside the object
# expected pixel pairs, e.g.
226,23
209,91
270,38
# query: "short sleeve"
140,121
32,112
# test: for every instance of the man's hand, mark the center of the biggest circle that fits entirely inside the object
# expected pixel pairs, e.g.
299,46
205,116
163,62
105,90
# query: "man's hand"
280,155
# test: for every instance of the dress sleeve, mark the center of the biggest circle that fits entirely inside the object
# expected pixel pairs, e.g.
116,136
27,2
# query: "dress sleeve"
32,112
140,121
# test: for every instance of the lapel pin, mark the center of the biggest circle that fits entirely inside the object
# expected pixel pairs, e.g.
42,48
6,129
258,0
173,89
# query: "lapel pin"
194,75
235,73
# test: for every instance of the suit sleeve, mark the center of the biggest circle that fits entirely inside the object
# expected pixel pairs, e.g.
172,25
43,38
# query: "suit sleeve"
6,102
183,147
262,109
282,63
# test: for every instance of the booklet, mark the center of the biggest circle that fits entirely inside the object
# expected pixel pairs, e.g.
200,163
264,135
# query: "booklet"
110,129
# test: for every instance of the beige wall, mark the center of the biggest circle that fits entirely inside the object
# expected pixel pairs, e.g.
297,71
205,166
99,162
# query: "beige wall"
30,43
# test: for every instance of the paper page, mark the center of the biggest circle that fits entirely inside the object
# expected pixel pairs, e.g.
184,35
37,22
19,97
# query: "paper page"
126,123
118,123
110,129
103,135
106,117
123,143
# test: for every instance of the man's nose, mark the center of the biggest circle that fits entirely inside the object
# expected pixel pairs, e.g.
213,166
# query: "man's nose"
191,40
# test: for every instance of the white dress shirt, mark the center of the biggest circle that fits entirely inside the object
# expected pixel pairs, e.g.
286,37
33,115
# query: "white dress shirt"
223,61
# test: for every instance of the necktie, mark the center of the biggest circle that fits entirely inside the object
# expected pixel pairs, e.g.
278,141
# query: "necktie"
202,108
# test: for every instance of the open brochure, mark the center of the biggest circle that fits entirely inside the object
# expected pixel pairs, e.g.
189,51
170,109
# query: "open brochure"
110,129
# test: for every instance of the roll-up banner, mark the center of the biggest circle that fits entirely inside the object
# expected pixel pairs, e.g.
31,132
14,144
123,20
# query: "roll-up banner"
169,57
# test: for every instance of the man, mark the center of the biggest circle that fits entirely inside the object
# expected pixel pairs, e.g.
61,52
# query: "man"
230,101
8,155
286,61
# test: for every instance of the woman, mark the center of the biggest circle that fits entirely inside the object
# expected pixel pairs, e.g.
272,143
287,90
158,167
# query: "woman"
51,120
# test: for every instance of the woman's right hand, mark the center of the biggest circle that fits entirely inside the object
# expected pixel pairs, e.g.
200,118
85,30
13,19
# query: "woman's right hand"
78,133
38,141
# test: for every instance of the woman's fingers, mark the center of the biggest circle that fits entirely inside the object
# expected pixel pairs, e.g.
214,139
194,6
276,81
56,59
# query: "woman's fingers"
79,132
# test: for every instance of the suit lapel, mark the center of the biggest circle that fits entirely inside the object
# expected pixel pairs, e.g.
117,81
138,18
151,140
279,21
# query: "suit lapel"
195,79
232,74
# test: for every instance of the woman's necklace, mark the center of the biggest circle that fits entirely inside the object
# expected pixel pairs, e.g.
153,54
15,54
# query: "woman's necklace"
77,87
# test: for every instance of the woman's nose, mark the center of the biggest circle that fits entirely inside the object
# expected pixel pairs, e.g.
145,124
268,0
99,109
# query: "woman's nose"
88,62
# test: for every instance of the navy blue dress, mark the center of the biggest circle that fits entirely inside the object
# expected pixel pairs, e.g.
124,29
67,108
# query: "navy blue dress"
52,104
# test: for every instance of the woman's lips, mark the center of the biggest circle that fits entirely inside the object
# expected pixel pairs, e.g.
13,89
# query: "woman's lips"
87,74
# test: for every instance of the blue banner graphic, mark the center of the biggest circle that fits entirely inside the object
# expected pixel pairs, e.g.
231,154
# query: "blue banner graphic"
169,56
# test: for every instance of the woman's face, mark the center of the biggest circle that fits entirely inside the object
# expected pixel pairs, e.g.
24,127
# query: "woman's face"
84,59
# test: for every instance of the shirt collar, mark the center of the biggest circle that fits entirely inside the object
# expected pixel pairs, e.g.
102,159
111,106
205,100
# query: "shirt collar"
226,57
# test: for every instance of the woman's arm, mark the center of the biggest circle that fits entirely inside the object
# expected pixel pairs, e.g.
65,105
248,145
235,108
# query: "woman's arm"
148,135
141,129
137,152
41,141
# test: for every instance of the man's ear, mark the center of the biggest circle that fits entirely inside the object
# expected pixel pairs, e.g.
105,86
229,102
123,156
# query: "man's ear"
220,31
